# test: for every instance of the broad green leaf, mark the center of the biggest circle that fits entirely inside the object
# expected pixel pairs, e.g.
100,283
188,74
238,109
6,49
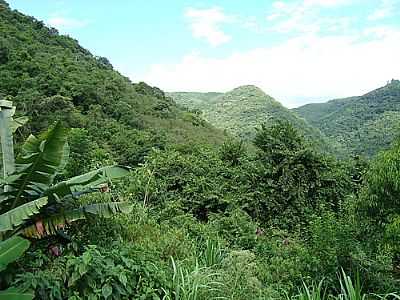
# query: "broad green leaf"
106,290
14,294
55,222
6,137
18,122
99,176
38,163
11,249
122,278
107,210
18,215
86,182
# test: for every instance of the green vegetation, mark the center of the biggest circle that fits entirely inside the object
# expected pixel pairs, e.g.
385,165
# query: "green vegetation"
242,110
51,77
30,189
205,215
361,125
10,250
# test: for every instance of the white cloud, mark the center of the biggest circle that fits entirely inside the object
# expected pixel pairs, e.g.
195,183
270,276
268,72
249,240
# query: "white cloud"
206,24
325,3
385,10
296,71
64,23
304,16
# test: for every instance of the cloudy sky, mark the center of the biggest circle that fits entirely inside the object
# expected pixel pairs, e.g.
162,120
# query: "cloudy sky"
298,51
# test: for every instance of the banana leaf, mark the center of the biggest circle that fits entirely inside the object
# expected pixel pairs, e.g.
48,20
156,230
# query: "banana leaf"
11,249
18,122
6,137
85,182
14,294
50,225
14,217
37,165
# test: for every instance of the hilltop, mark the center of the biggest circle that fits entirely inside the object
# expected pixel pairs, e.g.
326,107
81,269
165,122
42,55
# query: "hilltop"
363,124
242,110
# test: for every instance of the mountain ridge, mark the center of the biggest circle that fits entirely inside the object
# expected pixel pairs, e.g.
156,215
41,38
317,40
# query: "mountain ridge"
243,109
363,124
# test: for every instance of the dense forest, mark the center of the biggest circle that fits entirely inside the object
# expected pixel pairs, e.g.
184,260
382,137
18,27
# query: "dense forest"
242,110
361,125
364,125
114,190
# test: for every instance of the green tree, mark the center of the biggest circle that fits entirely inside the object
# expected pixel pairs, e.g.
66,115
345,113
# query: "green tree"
380,201
293,180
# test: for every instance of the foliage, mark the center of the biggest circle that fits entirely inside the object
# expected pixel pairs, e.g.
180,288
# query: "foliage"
233,152
379,201
10,250
361,125
273,219
50,77
240,275
293,180
98,274
212,254
197,181
191,284
349,290
242,110
33,204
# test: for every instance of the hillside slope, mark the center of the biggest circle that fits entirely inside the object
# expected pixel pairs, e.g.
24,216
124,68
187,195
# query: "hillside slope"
363,125
50,77
242,110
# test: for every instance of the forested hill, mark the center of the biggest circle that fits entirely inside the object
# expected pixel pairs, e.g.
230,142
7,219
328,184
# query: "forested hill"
242,110
50,76
363,125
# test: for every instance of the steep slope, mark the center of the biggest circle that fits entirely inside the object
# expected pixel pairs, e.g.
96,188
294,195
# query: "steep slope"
193,100
363,125
50,76
242,110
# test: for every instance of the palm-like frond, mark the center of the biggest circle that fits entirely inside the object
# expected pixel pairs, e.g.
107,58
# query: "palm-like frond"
36,166
50,225
107,210
85,183
14,217
7,146
11,249
14,294
29,191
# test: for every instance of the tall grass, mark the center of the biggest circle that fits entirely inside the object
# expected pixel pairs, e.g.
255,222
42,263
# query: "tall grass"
313,292
349,290
213,254
191,284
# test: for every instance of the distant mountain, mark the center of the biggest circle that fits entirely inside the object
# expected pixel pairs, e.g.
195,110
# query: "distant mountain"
363,125
242,110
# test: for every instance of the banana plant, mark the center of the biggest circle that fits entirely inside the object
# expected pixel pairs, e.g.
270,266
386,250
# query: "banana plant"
33,204
10,250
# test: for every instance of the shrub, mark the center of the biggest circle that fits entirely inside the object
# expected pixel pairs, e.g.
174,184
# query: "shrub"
237,228
115,274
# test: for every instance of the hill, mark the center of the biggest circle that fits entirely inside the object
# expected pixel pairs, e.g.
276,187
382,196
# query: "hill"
364,124
50,76
242,110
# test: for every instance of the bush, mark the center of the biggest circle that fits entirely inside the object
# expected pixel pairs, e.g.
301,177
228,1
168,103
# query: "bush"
117,274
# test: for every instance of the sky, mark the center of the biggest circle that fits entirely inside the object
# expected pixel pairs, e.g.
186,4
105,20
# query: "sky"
298,51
